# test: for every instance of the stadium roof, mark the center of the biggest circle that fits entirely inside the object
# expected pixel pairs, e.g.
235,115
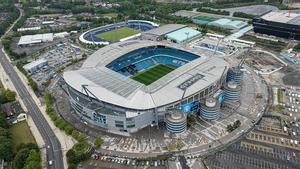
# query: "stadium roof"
283,17
112,87
183,34
165,29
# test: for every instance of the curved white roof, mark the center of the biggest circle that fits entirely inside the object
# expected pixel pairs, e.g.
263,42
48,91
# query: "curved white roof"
112,87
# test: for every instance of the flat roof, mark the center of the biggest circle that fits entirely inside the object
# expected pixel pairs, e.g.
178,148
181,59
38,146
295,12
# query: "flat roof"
34,63
112,87
183,34
283,17
220,22
165,29
37,38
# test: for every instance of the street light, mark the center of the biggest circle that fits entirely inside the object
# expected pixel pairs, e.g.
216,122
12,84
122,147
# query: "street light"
151,125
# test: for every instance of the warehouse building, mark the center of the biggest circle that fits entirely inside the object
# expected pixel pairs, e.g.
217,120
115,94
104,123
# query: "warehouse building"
28,40
35,65
280,23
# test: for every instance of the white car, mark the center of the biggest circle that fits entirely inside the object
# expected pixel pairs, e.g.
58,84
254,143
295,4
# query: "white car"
50,162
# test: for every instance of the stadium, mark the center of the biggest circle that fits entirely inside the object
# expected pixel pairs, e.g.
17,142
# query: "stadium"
129,85
121,31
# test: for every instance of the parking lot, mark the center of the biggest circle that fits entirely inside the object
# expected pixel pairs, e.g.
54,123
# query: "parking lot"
106,162
54,21
250,154
58,56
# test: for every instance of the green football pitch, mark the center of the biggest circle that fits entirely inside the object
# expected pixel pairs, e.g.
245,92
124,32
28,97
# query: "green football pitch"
151,75
116,35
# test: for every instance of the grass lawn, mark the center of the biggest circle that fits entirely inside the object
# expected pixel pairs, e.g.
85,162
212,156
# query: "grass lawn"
110,15
116,35
151,75
21,134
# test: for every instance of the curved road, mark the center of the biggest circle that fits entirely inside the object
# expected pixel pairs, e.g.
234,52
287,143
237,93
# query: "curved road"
54,151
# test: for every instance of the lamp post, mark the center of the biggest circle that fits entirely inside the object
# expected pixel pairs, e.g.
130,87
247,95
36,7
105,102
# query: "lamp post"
151,125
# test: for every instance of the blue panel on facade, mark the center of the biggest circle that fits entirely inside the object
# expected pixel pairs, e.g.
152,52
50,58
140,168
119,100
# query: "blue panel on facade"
189,107
221,97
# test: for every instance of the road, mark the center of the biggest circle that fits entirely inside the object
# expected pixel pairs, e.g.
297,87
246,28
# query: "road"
54,151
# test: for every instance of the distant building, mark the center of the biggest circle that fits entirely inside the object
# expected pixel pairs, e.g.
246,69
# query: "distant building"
159,33
28,40
280,23
14,112
35,65
182,35
228,24
29,29
61,35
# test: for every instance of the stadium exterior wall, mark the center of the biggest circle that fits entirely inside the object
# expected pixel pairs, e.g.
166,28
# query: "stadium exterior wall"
112,117
283,30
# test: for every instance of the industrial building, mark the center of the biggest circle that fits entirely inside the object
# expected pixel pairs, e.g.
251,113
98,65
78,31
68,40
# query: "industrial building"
35,39
278,23
228,24
34,66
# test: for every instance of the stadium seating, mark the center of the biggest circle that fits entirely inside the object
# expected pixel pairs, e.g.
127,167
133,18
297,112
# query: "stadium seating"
144,58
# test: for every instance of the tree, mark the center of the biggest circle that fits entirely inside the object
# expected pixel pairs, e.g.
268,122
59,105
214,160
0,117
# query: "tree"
81,137
33,84
3,122
7,95
6,149
97,142
23,153
4,133
20,158
75,134
33,160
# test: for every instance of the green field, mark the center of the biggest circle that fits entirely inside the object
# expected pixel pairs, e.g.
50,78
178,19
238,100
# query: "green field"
21,134
116,35
151,75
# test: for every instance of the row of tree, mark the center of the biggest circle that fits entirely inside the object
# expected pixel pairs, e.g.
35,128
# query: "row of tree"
6,152
214,11
59,122
243,15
